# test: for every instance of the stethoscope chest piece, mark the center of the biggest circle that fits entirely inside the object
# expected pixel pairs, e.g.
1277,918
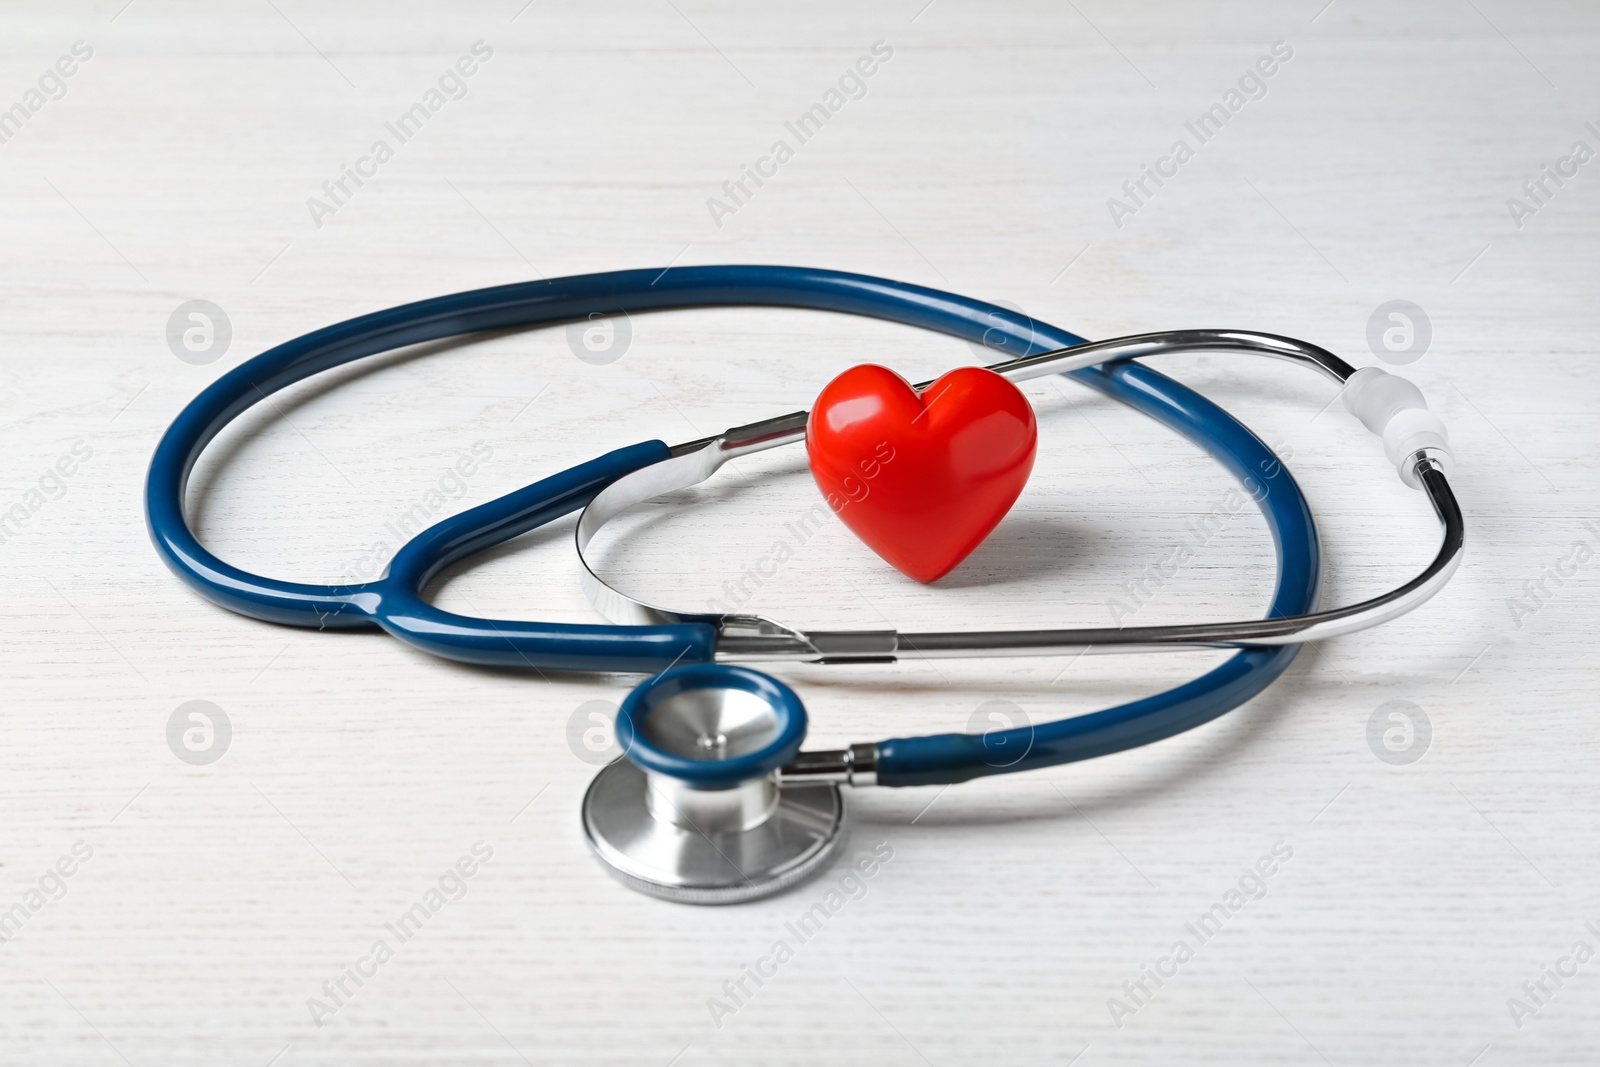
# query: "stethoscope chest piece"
693,811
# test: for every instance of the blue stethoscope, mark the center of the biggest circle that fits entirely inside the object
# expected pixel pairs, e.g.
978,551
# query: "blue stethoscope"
713,801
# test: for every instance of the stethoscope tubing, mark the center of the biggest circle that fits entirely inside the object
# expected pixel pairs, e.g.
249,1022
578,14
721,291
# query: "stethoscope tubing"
1378,397
394,601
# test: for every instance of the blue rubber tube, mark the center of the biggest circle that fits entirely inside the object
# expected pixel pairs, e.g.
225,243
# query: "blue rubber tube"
944,758
394,603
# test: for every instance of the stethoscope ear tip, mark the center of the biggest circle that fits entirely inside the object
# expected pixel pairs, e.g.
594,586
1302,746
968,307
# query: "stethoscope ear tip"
693,811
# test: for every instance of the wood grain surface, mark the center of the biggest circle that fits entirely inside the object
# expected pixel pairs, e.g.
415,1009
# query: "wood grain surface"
1438,911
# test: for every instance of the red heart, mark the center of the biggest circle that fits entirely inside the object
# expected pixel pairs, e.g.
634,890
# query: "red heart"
922,479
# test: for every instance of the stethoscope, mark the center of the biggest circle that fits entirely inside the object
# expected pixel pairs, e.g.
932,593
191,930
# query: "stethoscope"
713,801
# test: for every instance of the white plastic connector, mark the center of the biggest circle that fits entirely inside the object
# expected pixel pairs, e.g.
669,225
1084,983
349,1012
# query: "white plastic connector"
1394,409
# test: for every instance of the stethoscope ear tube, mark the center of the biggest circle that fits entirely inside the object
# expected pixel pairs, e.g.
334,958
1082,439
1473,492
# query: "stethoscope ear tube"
1414,439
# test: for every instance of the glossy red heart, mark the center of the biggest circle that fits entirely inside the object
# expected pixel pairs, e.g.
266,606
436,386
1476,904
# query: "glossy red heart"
922,479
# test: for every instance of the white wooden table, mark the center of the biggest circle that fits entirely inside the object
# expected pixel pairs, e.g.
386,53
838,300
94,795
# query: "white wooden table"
208,905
